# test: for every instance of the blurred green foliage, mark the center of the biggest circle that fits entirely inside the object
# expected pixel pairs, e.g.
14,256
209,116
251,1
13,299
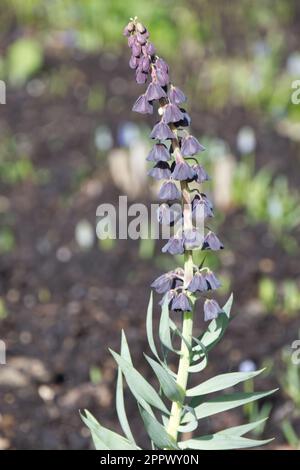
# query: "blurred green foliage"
24,58
267,199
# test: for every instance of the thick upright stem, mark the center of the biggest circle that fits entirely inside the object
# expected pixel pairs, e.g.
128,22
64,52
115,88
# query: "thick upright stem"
184,362
187,325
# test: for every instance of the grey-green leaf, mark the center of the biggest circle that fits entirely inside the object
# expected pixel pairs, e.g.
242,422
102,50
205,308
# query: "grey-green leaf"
105,439
221,441
140,388
243,429
168,384
149,326
164,328
120,405
125,352
157,432
223,403
221,382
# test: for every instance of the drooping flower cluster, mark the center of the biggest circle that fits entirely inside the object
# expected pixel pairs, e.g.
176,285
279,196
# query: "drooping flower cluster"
174,162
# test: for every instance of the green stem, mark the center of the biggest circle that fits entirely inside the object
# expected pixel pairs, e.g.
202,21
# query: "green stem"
184,362
187,322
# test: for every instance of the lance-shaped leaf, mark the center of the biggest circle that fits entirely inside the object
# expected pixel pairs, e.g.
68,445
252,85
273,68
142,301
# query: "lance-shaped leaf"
198,367
120,405
164,328
221,382
222,403
167,383
157,432
105,439
243,429
139,387
221,441
149,326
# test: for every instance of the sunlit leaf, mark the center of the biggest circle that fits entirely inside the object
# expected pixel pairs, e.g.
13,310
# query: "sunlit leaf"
222,403
149,326
105,439
243,429
221,441
221,382
139,387
168,384
120,406
157,432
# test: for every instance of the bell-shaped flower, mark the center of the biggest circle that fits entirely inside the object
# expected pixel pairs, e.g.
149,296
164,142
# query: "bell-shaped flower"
159,153
176,96
174,246
183,172
142,105
161,131
160,171
172,113
190,146
155,92
211,242
211,309
169,192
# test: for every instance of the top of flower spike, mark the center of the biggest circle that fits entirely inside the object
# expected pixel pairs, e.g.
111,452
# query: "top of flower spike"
171,153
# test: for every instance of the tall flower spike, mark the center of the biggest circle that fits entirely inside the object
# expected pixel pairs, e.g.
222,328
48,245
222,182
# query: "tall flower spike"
180,288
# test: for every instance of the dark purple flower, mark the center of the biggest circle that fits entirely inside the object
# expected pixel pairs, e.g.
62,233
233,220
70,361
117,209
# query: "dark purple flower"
202,205
176,96
160,171
186,121
161,65
212,280
134,62
174,246
155,92
140,28
182,172
190,146
131,41
159,153
168,297
163,283
192,239
141,77
145,64
181,303
167,281
211,309
161,131
169,192
148,49
126,31
142,105
201,208
172,113
142,37
136,49
200,174
162,77
198,283
211,242
131,26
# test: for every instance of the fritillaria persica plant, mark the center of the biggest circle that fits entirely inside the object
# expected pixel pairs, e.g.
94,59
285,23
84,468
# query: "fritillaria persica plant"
176,408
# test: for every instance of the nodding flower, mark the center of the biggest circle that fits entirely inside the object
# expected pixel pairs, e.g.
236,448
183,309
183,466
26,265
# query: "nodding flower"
177,164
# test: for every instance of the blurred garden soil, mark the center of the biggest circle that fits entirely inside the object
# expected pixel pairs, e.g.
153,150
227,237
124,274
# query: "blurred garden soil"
65,305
